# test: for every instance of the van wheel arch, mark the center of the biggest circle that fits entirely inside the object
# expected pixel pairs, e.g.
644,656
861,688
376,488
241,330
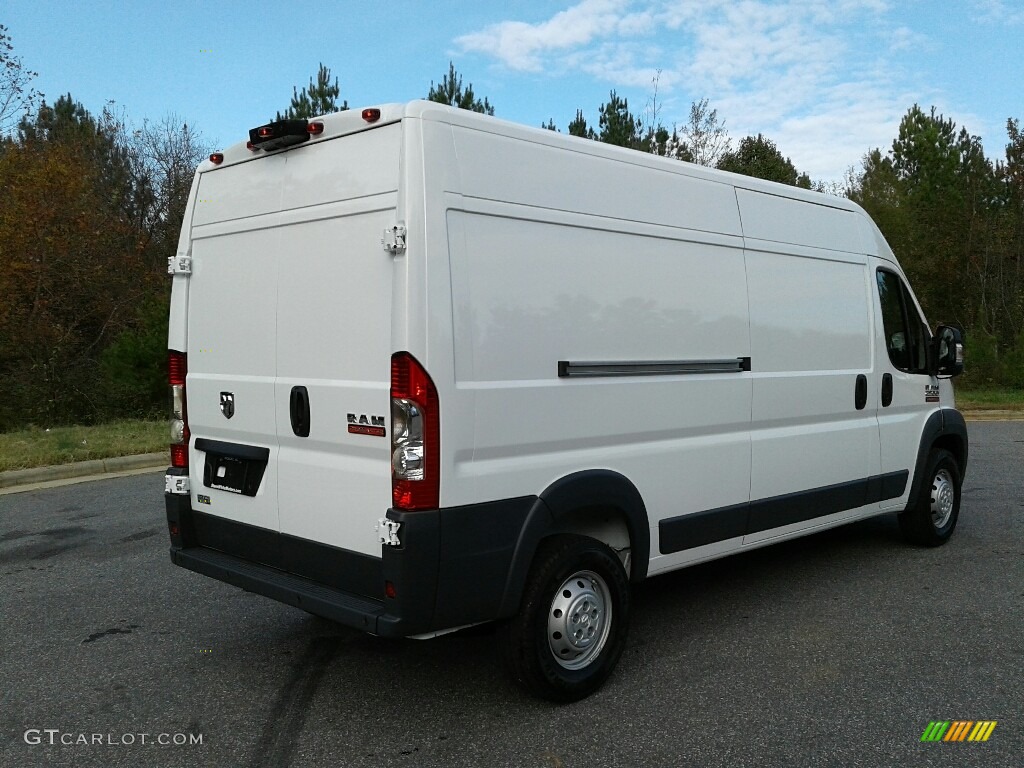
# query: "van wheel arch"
597,503
944,430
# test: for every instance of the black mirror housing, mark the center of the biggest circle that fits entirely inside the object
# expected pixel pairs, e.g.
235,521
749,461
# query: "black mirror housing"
946,352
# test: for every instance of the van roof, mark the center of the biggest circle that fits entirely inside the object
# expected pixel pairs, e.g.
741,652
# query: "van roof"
353,120
362,119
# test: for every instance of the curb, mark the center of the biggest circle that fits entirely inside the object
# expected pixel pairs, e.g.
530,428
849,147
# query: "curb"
82,469
993,415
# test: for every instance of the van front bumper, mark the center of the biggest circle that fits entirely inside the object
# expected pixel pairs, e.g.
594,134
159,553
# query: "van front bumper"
451,569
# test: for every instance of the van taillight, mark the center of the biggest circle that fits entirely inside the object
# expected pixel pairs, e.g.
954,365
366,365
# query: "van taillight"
415,436
177,370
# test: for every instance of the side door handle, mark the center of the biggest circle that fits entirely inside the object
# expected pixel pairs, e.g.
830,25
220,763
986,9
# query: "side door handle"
886,389
860,398
298,408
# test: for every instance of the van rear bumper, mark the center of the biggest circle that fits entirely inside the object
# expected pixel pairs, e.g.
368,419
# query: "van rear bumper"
334,604
453,566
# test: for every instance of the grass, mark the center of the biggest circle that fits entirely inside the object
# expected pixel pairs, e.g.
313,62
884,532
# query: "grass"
38,447
983,399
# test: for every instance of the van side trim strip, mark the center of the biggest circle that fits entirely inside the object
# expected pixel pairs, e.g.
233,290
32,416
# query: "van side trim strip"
570,369
701,528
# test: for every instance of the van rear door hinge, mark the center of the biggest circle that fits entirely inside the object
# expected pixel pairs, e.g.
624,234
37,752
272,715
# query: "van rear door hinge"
177,484
179,265
387,532
394,239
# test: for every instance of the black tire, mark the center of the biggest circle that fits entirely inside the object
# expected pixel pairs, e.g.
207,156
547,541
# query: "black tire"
572,622
931,517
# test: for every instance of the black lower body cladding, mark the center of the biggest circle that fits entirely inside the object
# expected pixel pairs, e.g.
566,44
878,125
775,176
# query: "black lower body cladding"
452,567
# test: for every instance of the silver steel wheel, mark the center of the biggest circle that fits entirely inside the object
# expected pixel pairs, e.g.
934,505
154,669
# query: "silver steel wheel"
579,620
943,498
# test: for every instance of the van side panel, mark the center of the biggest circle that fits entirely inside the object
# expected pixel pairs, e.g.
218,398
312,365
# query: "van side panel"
530,173
778,219
536,281
810,329
811,336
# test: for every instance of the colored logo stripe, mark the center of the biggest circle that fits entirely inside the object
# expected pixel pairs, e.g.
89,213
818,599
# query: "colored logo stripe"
958,730
982,730
935,730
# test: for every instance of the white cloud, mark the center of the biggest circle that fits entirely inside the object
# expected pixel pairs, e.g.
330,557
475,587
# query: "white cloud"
906,39
521,46
997,12
797,71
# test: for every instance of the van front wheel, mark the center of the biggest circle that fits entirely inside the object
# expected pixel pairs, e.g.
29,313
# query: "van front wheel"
572,624
931,517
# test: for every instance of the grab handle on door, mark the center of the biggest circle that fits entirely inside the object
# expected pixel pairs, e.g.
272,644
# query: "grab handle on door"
861,392
886,389
298,407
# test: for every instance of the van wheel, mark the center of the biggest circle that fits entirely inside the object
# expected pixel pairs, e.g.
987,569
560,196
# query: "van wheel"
931,518
571,627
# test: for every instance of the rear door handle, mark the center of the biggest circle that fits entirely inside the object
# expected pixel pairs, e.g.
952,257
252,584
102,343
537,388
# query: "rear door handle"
298,408
886,389
860,397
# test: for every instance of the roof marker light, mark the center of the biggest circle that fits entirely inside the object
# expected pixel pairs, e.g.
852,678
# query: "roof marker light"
251,147
371,115
315,129
265,132
217,158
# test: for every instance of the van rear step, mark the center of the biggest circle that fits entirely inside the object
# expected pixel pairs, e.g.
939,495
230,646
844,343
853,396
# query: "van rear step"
334,604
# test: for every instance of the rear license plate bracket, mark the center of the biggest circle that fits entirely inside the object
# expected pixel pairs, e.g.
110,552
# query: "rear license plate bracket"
233,468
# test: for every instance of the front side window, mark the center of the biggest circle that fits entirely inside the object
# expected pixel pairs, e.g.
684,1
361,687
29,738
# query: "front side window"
903,327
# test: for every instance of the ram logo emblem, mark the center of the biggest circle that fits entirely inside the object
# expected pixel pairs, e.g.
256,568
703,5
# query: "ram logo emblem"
227,404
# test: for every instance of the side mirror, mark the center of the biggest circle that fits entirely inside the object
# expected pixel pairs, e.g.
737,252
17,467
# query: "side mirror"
946,352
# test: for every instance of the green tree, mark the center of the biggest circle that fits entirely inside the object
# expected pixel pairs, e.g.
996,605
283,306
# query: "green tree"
320,97
877,188
101,140
617,124
451,92
925,156
1011,178
944,176
758,156
955,220
549,125
661,142
579,127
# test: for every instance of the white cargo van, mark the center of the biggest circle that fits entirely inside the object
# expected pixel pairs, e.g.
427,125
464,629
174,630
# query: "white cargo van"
431,369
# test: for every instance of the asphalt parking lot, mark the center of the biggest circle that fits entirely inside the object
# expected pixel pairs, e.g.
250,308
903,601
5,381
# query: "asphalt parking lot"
835,650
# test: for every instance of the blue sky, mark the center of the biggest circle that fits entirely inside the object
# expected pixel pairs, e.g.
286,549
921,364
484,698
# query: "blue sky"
825,79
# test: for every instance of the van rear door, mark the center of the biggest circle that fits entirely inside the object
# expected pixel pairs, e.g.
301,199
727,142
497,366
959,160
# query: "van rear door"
232,342
291,315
